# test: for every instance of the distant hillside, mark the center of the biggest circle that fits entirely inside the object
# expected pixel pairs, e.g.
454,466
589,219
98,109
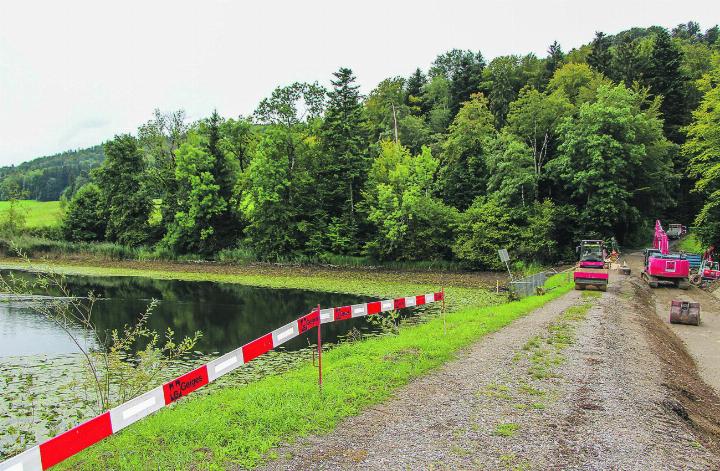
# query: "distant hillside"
45,178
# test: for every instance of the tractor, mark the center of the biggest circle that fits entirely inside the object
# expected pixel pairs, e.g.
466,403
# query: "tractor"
591,269
708,271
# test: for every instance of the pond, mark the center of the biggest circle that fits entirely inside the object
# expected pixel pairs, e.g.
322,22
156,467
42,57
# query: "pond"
228,315
43,382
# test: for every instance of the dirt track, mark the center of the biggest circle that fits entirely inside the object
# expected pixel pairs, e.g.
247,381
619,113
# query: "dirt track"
703,342
610,389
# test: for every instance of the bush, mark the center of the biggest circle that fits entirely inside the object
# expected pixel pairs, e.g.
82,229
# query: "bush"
86,218
488,226
415,227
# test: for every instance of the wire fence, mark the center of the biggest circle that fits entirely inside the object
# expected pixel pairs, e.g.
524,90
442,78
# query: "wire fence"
528,286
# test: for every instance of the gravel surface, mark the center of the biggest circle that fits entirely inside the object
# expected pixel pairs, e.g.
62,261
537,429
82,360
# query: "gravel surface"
554,390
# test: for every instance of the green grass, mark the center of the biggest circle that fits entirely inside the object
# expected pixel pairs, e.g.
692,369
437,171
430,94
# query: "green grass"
690,244
38,213
239,426
506,429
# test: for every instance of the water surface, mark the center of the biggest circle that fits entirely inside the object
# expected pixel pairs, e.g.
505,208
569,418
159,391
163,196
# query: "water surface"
228,315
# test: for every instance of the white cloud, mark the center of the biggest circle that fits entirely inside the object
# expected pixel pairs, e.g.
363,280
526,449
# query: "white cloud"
74,73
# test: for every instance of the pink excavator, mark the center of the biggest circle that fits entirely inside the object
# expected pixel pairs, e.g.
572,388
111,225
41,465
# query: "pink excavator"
663,267
590,270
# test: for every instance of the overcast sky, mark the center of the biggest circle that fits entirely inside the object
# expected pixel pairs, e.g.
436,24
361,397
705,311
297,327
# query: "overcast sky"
74,73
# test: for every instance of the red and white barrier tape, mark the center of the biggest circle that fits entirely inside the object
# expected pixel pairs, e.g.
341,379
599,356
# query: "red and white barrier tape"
63,446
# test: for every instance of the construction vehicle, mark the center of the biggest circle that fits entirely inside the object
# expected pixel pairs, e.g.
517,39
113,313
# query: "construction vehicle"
591,269
663,267
675,231
708,271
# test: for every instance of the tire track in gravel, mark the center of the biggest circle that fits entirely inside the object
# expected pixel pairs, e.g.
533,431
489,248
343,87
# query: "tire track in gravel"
417,429
552,390
631,424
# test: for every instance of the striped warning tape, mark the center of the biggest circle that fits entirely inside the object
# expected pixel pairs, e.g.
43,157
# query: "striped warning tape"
63,446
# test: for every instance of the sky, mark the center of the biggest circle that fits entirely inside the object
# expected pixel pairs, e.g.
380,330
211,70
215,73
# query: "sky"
74,73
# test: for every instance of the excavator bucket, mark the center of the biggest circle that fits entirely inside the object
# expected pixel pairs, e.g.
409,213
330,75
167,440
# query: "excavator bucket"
684,312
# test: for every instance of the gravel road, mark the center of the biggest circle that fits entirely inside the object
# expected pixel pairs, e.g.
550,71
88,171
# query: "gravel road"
586,382
702,342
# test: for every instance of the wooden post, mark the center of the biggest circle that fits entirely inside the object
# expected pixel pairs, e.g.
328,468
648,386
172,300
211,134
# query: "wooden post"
319,348
442,290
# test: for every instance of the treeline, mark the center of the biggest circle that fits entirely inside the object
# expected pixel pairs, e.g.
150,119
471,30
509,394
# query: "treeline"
49,178
450,163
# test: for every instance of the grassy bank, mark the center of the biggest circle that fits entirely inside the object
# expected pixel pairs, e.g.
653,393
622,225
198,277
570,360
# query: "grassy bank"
690,244
239,426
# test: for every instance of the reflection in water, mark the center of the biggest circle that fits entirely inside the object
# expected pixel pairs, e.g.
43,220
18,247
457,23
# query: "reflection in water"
228,315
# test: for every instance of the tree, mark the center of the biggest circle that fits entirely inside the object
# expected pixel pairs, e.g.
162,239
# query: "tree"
385,106
712,35
702,148
578,82
226,225
534,118
158,140
614,162
553,62
238,139
689,31
293,110
409,224
124,196
414,93
277,199
505,78
600,56
414,133
665,79
628,64
488,226
277,195
463,172
85,218
344,157
199,200
511,169
436,96
14,217
464,72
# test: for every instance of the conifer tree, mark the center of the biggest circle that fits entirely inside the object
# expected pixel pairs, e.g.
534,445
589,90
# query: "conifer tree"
600,56
413,92
665,78
225,223
344,144
555,59
124,197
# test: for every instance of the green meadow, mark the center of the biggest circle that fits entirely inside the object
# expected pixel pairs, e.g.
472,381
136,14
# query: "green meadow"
37,213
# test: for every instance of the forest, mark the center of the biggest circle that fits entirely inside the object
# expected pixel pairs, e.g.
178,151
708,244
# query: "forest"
48,178
450,163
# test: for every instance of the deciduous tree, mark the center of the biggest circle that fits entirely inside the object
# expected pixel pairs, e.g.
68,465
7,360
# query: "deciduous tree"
463,171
